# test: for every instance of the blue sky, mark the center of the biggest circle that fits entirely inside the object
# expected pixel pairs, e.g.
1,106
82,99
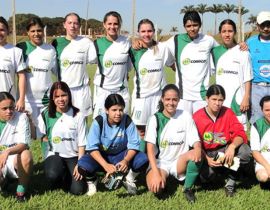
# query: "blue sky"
164,13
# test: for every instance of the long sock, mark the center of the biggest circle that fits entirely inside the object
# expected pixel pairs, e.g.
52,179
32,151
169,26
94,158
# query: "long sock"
142,145
131,176
20,188
192,172
230,182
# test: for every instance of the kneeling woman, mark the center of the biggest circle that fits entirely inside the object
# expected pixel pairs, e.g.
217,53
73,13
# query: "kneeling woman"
64,140
113,144
170,133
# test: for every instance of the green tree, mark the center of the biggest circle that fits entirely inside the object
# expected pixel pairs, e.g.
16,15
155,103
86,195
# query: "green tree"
216,8
187,9
202,8
252,21
174,29
229,8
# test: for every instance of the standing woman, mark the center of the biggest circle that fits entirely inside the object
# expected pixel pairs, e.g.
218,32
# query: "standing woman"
40,59
192,55
233,71
73,54
64,139
149,77
15,158
113,63
11,63
170,134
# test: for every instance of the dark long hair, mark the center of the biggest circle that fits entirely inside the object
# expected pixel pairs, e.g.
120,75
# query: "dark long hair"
4,22
192,16
52,107
114,99
34,21
164,90
6,95
114,14
216,90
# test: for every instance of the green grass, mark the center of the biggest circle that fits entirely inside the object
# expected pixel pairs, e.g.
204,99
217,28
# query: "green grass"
42,198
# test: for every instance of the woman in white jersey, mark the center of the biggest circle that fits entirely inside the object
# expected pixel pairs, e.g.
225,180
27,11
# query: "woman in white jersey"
63,130
113,63
15,158
149,80
11,63
233,71
74,52
40,59
169,135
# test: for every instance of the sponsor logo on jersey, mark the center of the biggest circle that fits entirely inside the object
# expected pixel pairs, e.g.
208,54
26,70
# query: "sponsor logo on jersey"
187,61
265,149
165,143
68,139
66,63
221,71
109,63
56,140
144,71
4,71
265,70
30,69
216,138
3,147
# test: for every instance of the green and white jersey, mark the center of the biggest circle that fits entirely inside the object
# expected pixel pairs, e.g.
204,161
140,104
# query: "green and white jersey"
171,136
65,133
260,137
11,62
149,69
40,62
193,64
233,70
113,63
73,56
15,131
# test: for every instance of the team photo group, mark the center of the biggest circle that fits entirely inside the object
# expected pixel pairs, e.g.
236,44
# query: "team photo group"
211,125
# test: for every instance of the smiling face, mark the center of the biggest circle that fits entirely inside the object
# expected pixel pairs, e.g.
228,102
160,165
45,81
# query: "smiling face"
61,100
214,104
170,101
115,114
146,33
266,111
192,29
36,34
72,26
3,34
112,27
7,109
227,34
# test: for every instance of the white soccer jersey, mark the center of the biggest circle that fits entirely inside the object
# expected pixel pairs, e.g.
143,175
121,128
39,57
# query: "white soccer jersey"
40,62
113,63
193,64
65,133
176,136
233,70
149,69
73,56
11,62
16,131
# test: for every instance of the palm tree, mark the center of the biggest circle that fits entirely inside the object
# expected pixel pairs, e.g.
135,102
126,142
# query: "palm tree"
159,30
252,20
202,8
216,8
242,12
174,29
229,8
187,9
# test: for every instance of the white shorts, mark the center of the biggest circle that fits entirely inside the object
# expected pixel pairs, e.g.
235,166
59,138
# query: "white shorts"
100,96
143,108
258,166
8,170
81,98
34,109
191,106
170,167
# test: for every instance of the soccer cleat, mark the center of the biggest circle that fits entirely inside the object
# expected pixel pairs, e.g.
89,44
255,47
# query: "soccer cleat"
130,187
92,187
189,194
20,197
113,181
229,191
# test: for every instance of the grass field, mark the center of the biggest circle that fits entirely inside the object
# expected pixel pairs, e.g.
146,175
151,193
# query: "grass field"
248,196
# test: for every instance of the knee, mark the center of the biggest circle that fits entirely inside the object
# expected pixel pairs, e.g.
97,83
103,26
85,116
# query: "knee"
78,188
262,176
140,162
244,153
26,159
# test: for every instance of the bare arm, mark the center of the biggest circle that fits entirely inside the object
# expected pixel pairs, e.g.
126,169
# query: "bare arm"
245,102
230,151
20,105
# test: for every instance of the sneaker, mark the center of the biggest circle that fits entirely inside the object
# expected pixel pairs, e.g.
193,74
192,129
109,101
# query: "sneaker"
92,187
130,187
20,197
189,194
113,181
229,191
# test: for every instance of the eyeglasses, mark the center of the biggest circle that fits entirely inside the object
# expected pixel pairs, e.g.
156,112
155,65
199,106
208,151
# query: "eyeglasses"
11,108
